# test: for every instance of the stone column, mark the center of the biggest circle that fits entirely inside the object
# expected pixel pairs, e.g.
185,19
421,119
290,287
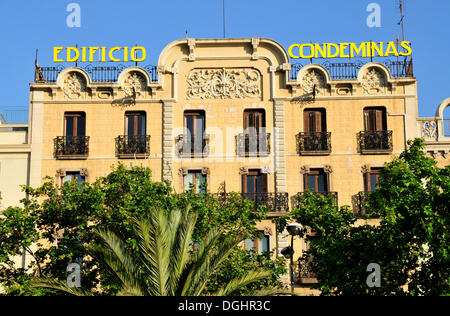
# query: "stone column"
168,141
279,147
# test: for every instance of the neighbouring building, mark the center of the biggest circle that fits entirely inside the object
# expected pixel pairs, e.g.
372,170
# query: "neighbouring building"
234,113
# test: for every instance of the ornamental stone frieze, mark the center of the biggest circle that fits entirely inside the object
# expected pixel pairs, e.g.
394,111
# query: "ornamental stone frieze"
137,81
74,86
374,81
313,79
224,83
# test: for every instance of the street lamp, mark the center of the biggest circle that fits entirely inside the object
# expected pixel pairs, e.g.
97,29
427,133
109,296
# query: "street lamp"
294,229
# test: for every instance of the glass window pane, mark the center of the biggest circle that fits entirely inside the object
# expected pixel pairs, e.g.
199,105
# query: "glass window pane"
188,181
264,244
312,182
322,183
67,178
373,182
200,183
250,184
141,125
249,244
130,125
81,126
69,126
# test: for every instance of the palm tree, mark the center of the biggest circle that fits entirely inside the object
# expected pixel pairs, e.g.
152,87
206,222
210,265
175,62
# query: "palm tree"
164,264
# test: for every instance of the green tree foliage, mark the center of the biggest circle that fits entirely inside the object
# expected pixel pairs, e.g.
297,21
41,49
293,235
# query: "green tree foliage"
410,242
164,264
56,224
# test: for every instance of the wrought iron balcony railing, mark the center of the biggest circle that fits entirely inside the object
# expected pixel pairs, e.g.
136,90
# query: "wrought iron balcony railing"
71,147
98,74
349,70
192,146
275,202
131,146
359,202
296,200
253,144
314,143
305,273
374,142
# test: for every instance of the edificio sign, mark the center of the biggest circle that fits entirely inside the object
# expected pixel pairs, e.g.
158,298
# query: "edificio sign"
86,54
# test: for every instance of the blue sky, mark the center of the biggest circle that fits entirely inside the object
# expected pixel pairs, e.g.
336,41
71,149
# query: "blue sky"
27,25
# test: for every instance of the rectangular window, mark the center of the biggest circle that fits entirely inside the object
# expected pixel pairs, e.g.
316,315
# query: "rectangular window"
255,136
73,177
194,124
135,124
375,119
372,179
317,181
195,181
314,121
74,124
254,182
259,244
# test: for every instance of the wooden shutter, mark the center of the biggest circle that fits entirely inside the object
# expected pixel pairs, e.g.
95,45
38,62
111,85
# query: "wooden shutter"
264,183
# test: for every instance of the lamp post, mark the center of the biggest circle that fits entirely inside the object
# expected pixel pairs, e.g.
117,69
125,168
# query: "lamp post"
294,229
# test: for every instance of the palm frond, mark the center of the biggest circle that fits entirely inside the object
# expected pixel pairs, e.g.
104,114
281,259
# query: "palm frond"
114,255
238,283
54,284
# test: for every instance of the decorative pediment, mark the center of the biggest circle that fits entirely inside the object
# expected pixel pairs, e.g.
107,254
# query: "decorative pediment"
74,86
135,82
313,79
224,84
374,81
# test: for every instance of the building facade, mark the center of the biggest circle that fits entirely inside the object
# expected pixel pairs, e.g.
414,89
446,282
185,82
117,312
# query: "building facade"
234,113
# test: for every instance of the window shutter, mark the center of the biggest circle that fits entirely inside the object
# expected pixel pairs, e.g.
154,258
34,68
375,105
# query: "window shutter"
264,183
317,121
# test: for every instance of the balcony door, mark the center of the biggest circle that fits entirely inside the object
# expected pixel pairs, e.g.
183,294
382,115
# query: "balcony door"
314,121
315,137
194,124
74,125
135,124
375,119
255,131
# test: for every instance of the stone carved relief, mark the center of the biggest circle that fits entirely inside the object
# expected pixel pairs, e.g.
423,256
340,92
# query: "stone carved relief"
374,81
224,84
74,86
137,81
430,129
313,78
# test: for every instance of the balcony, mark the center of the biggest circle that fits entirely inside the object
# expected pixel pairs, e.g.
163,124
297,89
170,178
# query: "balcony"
192,146
375,142
275,202
296,200
71,147
253,145
133,146
359,202
349,70
314,143
305,273
98,74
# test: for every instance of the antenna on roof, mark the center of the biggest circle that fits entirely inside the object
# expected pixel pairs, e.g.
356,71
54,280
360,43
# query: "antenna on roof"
401,6
223,9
